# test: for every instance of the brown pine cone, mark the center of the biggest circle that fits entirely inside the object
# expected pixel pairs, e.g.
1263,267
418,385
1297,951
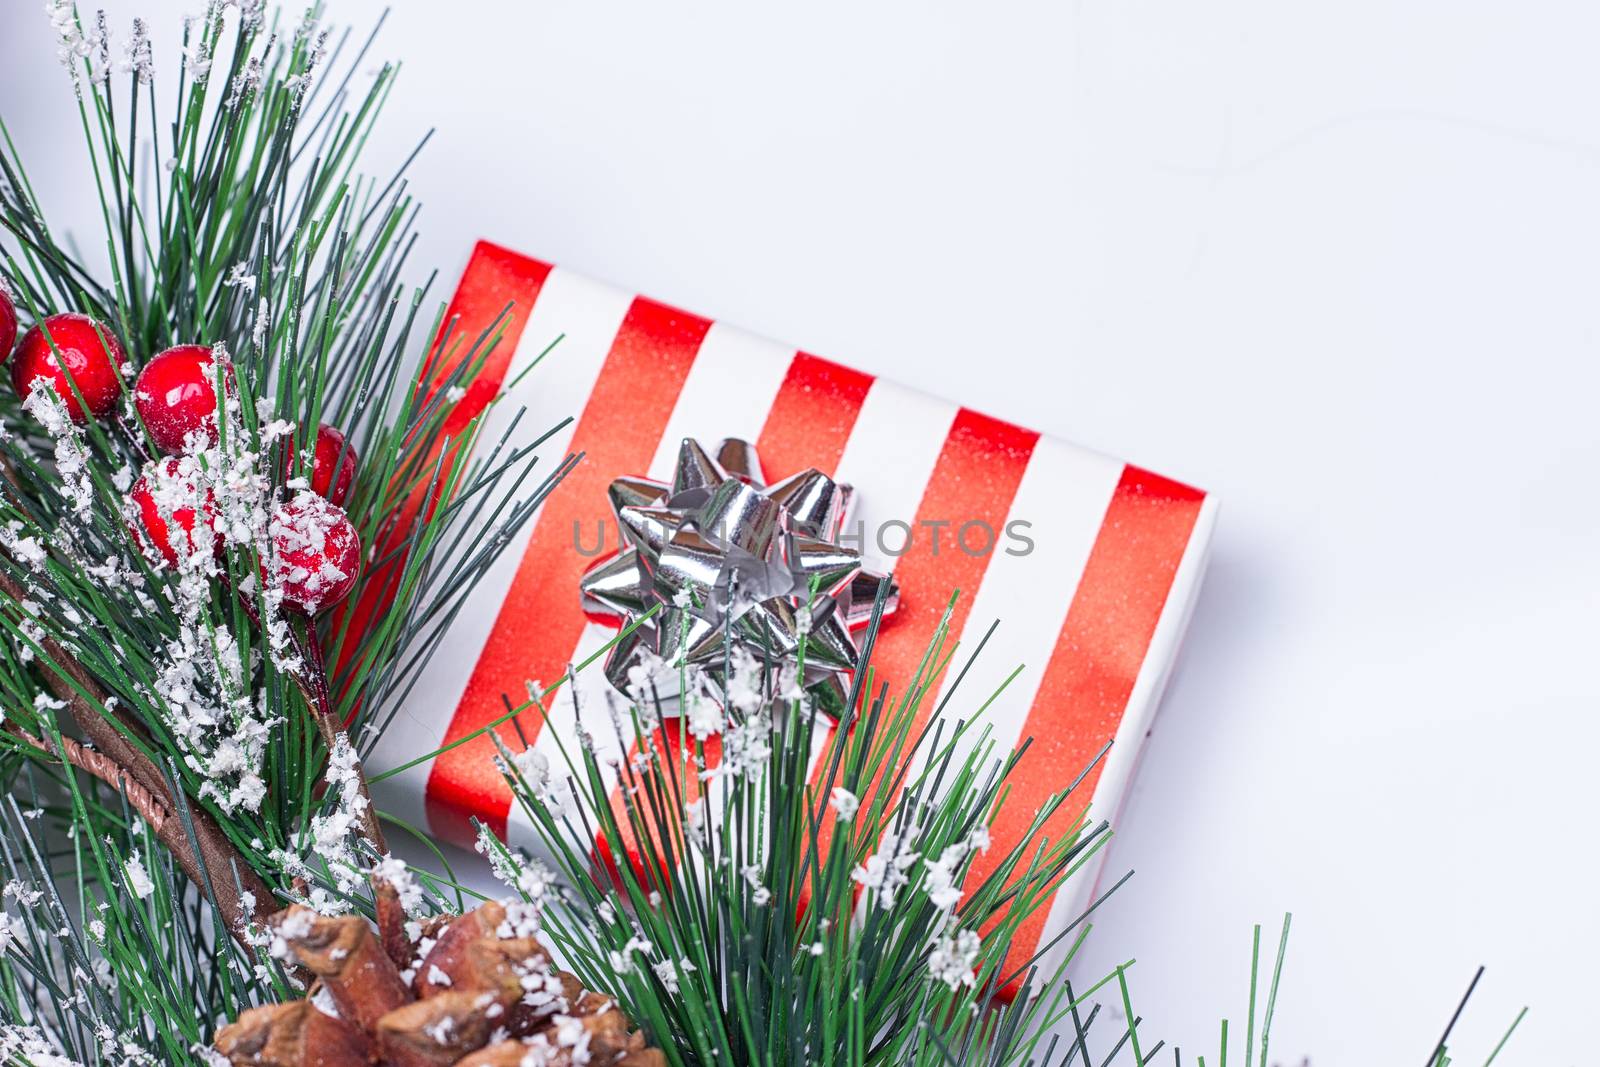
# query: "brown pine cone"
470,993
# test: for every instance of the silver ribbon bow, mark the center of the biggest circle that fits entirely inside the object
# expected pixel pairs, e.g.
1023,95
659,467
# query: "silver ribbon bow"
733,563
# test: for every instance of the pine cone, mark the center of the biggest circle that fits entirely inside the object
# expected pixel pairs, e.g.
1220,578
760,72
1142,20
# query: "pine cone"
472,993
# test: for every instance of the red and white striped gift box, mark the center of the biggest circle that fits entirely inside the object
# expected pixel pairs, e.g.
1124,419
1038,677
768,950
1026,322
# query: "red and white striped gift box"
1094,610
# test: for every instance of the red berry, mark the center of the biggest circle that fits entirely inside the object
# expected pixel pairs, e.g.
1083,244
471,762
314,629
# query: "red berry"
176,395
316,553
95,367
165,495
8,323
333,466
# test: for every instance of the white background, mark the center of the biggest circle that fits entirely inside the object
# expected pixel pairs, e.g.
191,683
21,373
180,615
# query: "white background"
1337,263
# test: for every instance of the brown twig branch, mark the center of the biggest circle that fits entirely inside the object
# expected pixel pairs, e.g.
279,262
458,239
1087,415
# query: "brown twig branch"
211,857
149,807
319,698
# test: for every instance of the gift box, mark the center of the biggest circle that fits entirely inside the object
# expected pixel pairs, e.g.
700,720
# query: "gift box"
1090,563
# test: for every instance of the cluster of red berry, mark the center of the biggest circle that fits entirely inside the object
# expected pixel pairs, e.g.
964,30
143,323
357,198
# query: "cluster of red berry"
316,550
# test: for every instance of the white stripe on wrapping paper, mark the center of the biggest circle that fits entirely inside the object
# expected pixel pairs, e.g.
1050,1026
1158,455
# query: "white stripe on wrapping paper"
893,447
1063,495
1111,792
589,315
727,393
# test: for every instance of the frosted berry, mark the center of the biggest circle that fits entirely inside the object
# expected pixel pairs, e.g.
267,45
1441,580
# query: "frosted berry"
316,553
176,395
8,323
96,367
167,497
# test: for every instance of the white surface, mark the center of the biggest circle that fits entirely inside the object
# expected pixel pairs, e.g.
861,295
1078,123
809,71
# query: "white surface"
1337,264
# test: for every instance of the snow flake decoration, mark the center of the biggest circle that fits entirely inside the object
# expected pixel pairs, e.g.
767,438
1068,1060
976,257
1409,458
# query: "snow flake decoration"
521,872
844,803
315,39
26,548
394,871
24,893
746,741
251,12
260,325
668,971
332,830
205,690
212,497
71,451
246,83
746,746
97,45
622,960
571,1045
72,45
943,881
138,877
885,871
760,895
27,1044
533,767
501,865
694,821
239,277
523,918
196,49
533,771
32,630
294,925
702,710
955,957
136,55
64,20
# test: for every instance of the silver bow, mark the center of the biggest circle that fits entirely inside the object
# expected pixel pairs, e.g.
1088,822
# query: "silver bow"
733,563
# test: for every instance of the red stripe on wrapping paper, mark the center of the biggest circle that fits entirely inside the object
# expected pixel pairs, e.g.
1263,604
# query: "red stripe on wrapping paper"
540,618
811,417
495,280
975,478
1094,665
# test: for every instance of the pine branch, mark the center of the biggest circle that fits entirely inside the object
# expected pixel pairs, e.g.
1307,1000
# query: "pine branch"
744,913
240,894
249,231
